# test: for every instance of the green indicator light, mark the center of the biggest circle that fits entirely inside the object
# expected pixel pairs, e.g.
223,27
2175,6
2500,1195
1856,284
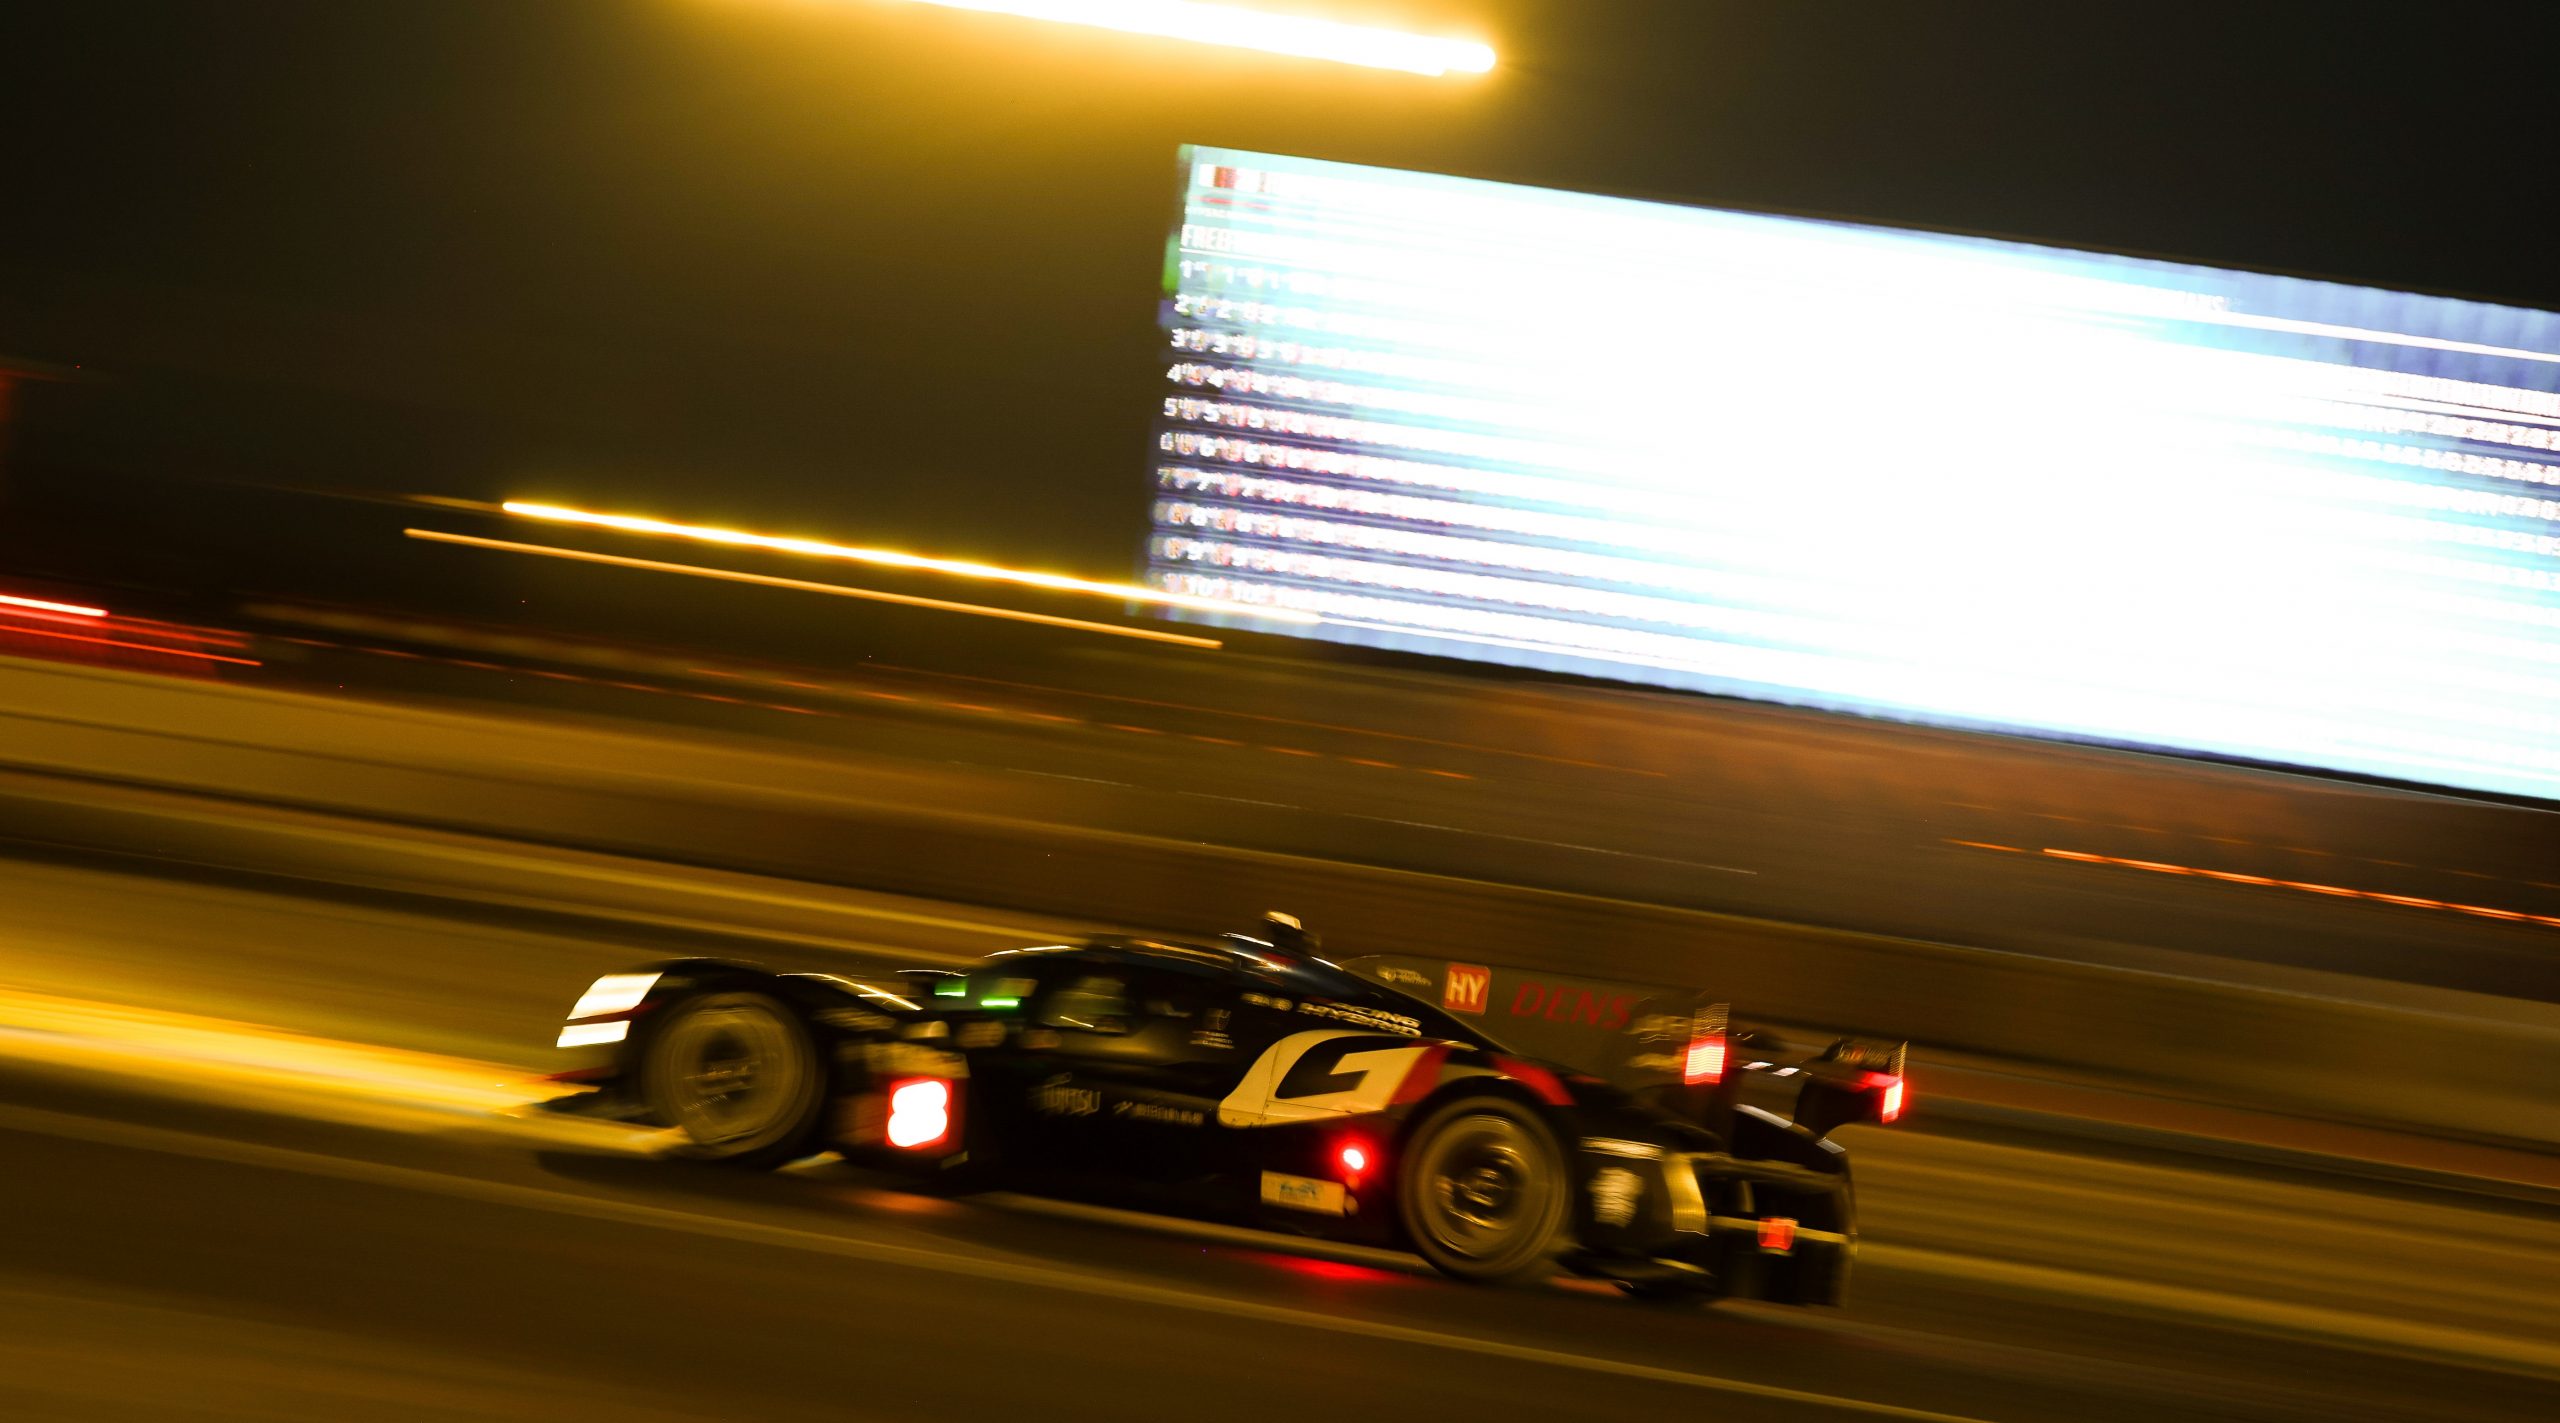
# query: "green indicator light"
999,1002
951,988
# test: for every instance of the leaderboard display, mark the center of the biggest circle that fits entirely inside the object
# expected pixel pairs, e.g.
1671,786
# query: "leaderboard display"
1939,478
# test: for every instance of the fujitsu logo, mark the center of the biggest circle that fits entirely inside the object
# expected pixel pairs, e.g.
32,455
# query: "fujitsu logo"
1466,988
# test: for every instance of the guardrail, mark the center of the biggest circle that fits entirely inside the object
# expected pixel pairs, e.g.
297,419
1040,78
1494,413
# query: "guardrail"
724,807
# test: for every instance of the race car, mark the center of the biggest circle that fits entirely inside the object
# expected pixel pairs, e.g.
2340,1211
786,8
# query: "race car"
1245,1078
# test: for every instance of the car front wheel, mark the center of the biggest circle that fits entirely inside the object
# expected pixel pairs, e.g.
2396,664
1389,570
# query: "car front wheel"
1482,1191
738,1075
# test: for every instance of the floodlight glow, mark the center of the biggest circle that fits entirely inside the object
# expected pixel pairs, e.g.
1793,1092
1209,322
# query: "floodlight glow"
1950,479
1300,36
886,558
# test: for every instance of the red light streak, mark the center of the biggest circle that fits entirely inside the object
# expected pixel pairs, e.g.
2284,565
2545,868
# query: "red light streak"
41,606
136,646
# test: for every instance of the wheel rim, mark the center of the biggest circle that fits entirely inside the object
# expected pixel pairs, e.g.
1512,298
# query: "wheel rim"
732,1074
1482,1193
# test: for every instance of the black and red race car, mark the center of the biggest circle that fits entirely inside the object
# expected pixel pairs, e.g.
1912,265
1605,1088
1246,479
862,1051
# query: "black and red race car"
1246,1079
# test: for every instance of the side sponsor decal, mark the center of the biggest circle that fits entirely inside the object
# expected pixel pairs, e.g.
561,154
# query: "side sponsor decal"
1212,1032
1327,1073
1465,988
1663,1028
1158,1112
1375,1019
1302,1193
1614,1193
1057,1097
1566,1004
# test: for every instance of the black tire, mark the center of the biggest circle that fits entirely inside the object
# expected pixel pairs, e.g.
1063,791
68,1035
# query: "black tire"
736,1072
1482,1192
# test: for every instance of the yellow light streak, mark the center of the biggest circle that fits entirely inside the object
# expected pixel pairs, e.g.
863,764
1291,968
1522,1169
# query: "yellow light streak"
41,606
888,558
801,585
193,1055
1301,36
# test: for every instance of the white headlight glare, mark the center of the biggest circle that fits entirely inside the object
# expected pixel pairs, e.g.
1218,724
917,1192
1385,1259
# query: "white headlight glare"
613,993
593,1034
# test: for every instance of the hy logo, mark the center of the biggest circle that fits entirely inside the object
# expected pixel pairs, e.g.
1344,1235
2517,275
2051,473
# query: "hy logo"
1466,988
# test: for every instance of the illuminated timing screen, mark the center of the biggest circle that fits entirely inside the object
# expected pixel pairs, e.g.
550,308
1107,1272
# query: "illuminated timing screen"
1939,478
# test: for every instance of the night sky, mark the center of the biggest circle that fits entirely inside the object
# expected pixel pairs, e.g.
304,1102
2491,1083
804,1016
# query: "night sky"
888,272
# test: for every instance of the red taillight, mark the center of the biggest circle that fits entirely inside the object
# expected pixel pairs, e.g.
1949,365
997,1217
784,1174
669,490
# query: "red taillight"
1706,1060
919,1112
1778,1234
1888,1105
1354,1161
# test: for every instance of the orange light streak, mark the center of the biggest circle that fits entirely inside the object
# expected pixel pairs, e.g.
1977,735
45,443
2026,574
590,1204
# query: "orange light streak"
890,558
835,590
2332,891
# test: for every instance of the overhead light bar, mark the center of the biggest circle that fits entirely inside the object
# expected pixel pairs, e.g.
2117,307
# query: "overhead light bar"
1300,35
887,558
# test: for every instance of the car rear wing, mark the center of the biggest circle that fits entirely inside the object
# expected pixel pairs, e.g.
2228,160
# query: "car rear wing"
1676,1045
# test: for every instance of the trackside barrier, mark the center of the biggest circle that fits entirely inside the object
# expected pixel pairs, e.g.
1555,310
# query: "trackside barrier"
75,735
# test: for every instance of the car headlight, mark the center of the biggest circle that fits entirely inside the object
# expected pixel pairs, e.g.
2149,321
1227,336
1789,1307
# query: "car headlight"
613,993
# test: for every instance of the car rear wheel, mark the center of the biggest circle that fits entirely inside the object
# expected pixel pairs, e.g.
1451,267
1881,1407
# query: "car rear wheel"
738,1075
1482,1192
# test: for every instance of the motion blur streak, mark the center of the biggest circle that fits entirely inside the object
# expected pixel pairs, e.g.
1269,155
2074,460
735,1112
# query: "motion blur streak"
40,605
1054,582
248,1062
130,626
804,586
935,1259
1297,35
2333,891
16,630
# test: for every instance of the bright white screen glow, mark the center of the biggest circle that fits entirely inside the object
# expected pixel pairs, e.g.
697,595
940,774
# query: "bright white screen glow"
1945,478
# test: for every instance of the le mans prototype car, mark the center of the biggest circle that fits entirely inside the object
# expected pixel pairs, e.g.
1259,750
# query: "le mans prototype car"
1245,1078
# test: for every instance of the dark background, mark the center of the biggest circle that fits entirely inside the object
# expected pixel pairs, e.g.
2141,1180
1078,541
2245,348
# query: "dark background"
887,272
